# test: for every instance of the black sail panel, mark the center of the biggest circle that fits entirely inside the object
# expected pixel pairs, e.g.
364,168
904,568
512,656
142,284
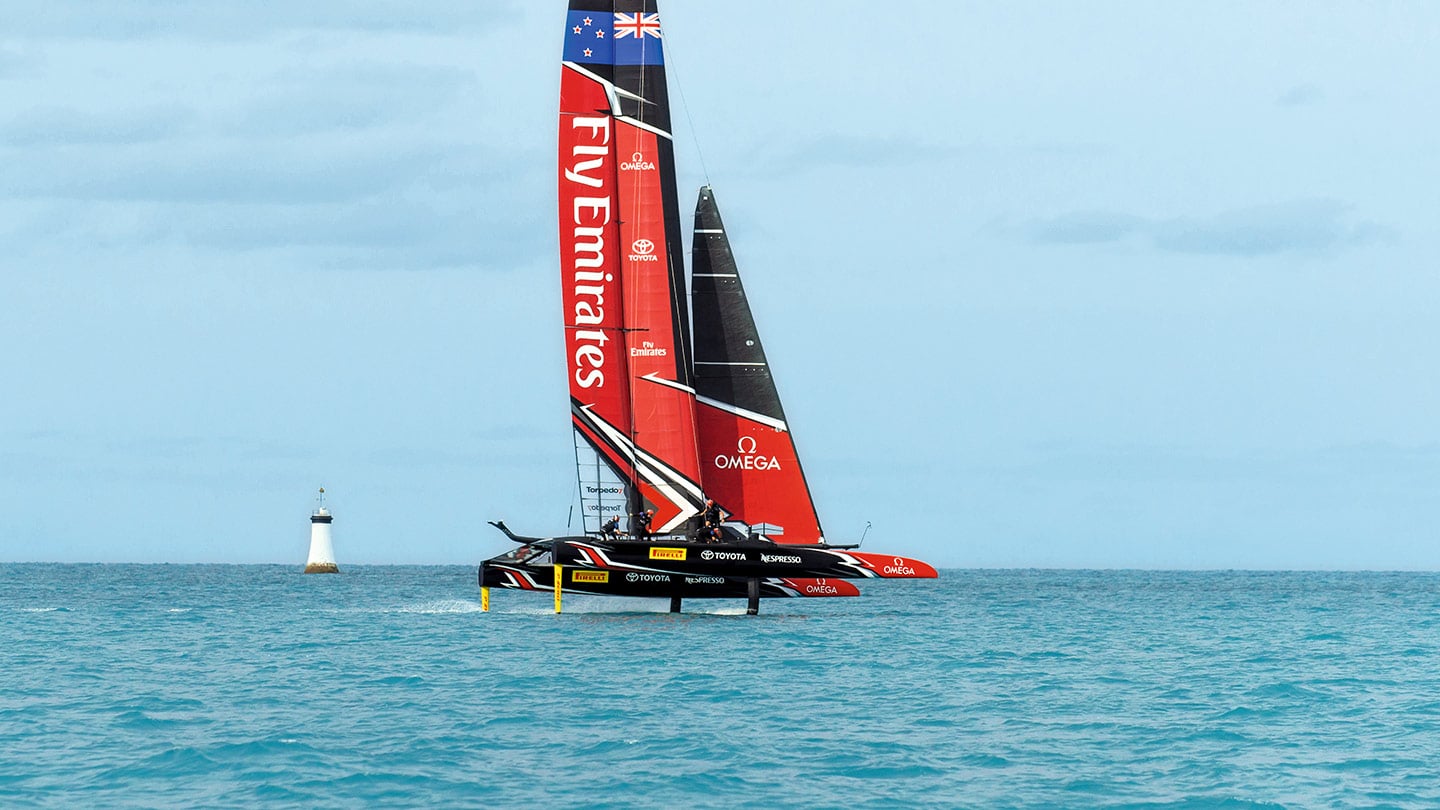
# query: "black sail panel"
730,363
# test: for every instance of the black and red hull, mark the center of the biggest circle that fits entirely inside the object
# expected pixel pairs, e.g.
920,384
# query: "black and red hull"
742,559
660,585
680,568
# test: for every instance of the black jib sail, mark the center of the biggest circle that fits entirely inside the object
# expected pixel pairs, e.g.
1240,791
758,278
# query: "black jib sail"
748,460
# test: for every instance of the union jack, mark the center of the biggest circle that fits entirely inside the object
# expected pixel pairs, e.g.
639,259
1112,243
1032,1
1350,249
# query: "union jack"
637,25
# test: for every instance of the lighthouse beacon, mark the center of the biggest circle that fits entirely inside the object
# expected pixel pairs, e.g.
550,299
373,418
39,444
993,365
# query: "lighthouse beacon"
322,553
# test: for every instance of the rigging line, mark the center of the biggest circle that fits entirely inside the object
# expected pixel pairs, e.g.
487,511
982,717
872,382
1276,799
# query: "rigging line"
579,490
694,134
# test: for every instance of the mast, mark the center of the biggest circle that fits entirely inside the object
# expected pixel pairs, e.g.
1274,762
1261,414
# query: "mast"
632,395
750,465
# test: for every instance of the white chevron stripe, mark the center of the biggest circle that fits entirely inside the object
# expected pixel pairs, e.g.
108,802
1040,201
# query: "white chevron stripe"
751,415
668,482
613,93
668,383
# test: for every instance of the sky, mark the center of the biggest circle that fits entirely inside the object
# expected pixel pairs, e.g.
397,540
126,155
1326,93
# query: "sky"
1099,285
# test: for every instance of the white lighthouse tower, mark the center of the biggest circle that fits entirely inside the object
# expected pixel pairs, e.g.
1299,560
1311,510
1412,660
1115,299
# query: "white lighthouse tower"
322,553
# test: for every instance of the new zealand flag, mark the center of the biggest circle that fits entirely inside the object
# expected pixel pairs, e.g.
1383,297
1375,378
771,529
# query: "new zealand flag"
598,38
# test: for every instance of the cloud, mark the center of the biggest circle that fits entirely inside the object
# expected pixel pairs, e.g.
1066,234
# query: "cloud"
1411,463
1084,227
1299,95
343,188
297,134
348,164
223,20
1295,226
379,219
85,455
1303,225
853,152
381,234
10,63
55,126
355,97
221,172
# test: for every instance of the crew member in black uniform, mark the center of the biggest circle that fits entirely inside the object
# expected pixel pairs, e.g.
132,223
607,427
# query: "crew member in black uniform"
611,529
640,525
713,514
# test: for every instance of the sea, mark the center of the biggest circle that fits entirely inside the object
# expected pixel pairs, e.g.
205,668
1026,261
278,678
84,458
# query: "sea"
257,686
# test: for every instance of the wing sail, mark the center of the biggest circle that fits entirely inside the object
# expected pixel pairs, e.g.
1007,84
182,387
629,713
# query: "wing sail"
633,400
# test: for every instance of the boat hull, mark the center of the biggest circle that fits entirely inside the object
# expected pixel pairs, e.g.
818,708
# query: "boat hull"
656,584
743,559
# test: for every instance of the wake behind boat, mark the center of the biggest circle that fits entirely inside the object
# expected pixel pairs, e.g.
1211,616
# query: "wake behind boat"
683,440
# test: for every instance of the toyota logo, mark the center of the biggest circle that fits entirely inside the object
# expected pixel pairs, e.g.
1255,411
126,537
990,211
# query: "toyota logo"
706,554
631,577
644,247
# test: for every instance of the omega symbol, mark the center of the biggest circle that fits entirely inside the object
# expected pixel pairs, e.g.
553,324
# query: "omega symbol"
638,163
747,457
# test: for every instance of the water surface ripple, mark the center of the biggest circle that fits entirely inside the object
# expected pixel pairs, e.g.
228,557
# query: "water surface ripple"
168,685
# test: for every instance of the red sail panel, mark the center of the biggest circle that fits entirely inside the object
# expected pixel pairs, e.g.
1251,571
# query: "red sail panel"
752,470
591,266
663,406
642,428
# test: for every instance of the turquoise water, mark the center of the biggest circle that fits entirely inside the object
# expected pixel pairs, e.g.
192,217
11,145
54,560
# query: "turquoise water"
213,686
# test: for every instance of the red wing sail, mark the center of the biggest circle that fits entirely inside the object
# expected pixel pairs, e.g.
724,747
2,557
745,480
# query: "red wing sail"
591,269
748,459
632,396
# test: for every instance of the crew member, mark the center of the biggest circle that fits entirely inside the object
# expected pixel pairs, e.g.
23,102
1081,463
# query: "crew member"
706,533
640,525
713,514
611,529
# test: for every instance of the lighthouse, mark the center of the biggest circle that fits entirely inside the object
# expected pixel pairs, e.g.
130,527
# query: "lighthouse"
322,553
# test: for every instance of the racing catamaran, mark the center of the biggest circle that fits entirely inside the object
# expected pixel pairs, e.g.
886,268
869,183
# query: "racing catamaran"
684,441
